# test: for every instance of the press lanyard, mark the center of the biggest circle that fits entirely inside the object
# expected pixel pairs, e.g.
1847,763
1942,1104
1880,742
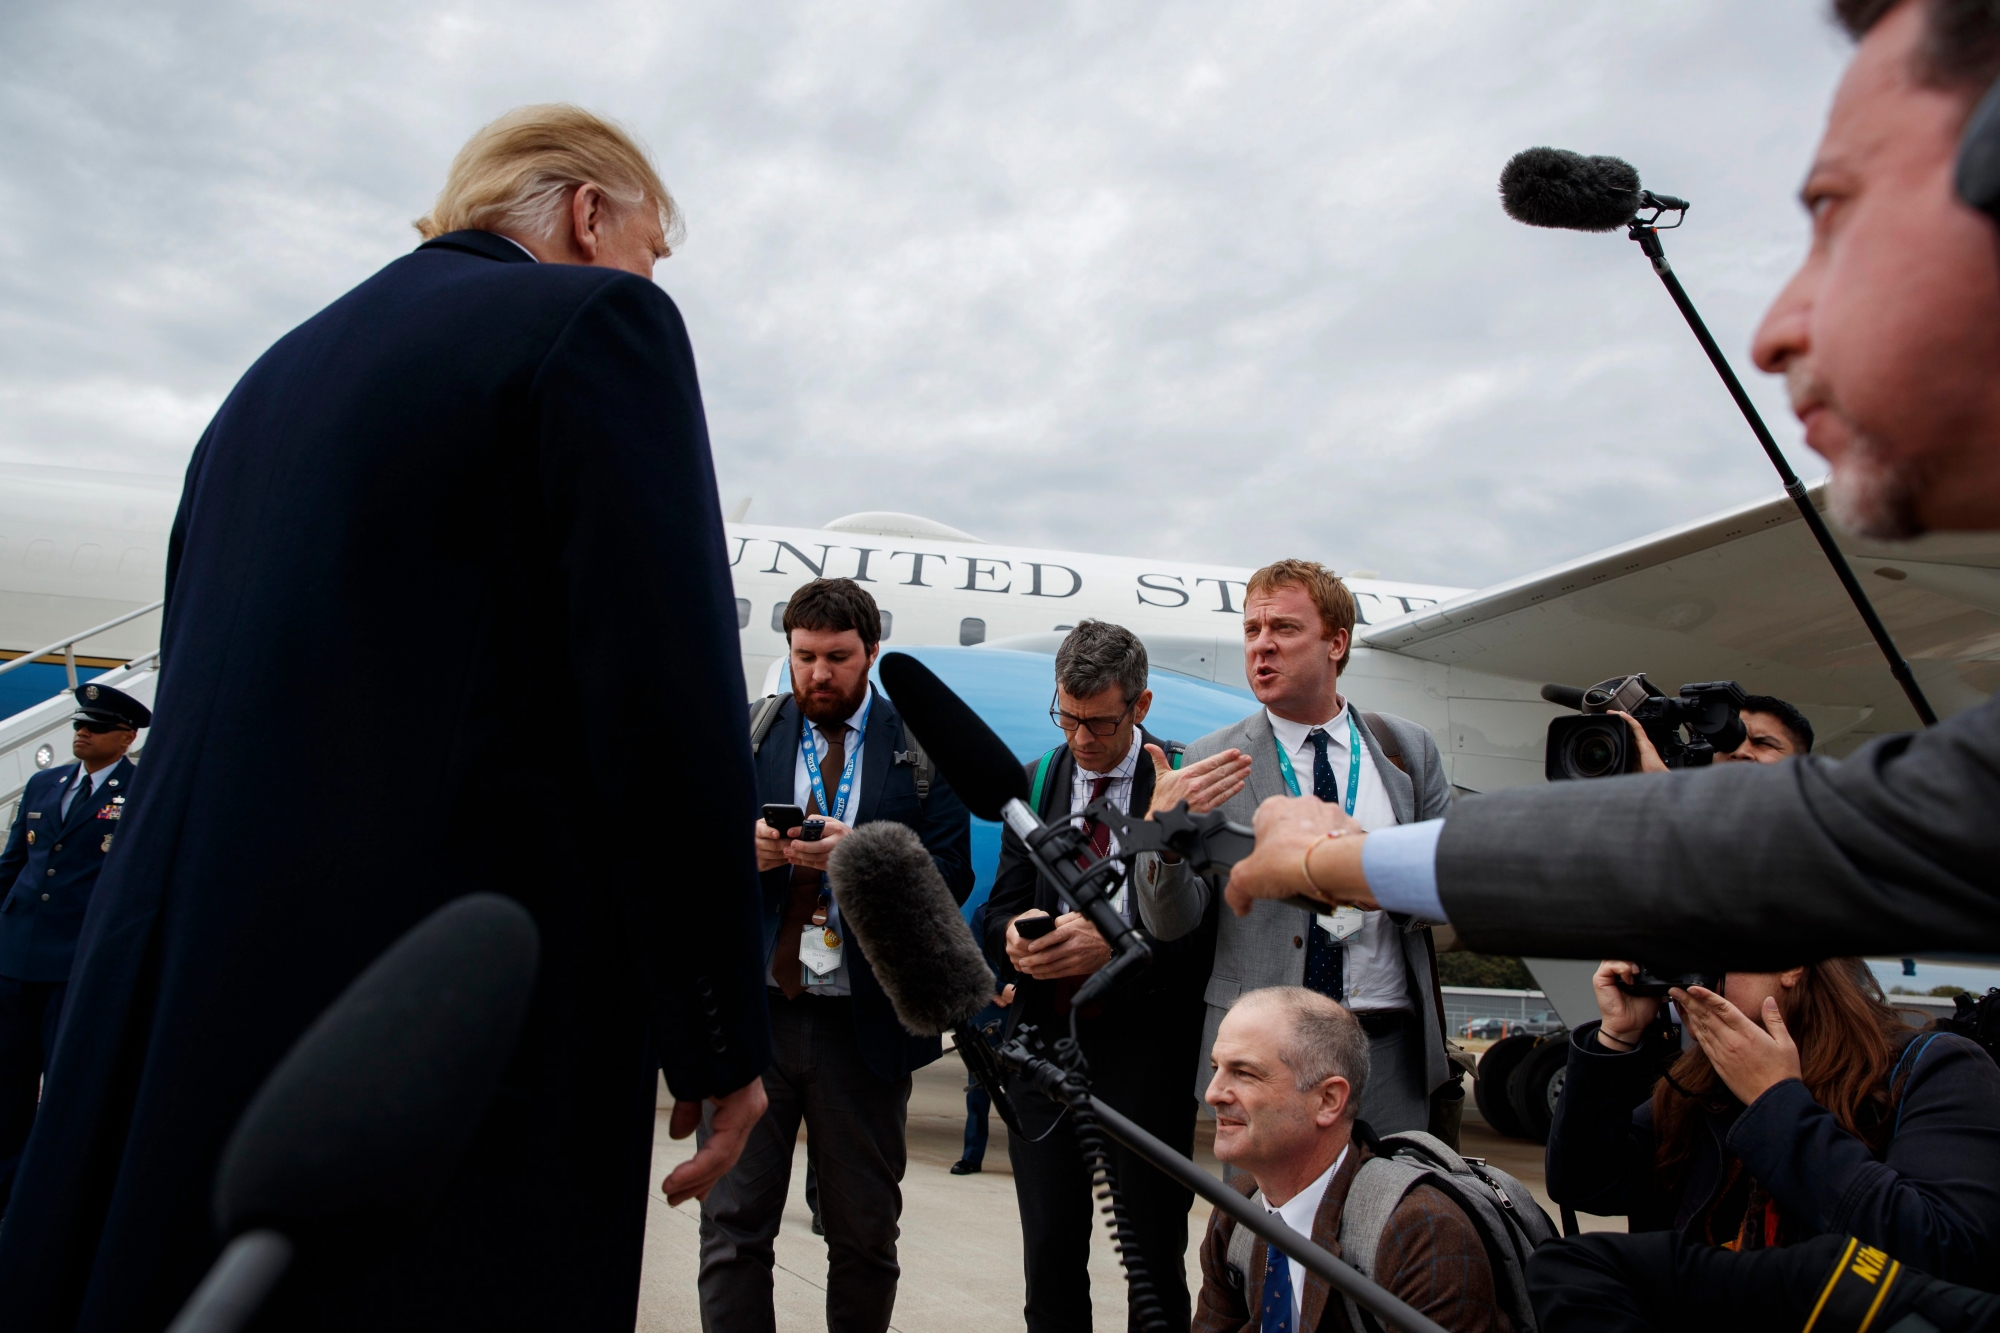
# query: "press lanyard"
809,752
1353,764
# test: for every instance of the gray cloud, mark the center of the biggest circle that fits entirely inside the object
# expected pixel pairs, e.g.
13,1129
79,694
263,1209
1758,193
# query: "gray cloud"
1134,277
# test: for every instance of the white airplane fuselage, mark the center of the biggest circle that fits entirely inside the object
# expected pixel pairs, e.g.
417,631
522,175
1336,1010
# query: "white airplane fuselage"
80,548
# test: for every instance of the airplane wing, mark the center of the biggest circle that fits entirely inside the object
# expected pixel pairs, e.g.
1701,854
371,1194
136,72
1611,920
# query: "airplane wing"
1744,595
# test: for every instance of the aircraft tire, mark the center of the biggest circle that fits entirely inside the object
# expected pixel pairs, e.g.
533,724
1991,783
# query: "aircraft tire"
1534,1084
1489,1084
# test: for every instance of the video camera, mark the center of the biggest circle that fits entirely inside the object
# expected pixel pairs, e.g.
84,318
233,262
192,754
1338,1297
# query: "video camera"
1596,745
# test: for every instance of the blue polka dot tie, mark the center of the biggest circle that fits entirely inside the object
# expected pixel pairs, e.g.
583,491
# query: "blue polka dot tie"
1277,1315
1325,960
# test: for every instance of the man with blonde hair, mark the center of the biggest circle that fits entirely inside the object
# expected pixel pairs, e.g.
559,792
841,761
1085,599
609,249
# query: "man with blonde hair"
494,444
1298,626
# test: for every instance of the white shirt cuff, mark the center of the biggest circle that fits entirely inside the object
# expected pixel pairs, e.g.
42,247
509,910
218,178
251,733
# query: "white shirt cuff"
1400,865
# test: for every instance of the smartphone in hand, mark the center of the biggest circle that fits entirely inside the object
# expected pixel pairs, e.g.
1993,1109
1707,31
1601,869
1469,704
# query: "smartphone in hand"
1033,927
784,818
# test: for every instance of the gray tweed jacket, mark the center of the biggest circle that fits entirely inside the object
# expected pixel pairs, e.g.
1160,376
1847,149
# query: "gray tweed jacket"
1265,948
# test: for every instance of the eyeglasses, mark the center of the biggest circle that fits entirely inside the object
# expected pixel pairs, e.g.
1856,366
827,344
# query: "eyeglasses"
1096,726
95,728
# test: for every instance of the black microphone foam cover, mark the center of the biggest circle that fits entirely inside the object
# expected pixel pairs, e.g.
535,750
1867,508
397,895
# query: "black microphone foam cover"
368,1113
896,905
1553,187
1569,696
977,763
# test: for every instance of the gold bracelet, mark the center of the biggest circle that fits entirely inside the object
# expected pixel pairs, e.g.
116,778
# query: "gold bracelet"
1306,864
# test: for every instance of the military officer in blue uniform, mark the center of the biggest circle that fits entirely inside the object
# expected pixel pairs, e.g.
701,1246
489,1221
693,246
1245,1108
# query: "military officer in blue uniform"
62,831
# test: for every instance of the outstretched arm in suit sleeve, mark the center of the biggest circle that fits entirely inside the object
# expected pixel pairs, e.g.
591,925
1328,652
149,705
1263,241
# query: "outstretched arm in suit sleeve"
629,492
1742,866
1172,898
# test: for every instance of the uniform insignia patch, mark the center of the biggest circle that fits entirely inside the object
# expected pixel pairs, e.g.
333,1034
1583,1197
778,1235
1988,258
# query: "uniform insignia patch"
31,837
34,814
114,782
116,800
107,843
90,692
110,812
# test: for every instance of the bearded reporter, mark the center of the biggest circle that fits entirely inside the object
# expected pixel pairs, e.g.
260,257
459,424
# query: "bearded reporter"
1889,339
496,446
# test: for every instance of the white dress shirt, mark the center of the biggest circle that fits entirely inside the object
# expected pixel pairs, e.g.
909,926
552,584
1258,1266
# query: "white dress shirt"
518,246
1298,1213
1375,976
90,783
836,981
1081,781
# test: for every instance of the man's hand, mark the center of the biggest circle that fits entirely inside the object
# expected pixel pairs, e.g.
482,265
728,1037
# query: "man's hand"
770,848
1649,758
736,1114
1626,1017
1005,997
1072,949
1750,1059
1204,784
813,855
1286,827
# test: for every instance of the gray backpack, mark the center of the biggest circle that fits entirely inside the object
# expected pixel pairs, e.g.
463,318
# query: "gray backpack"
1500,1208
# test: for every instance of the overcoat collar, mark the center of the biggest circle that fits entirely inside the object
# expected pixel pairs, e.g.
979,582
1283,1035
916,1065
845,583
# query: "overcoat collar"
482,243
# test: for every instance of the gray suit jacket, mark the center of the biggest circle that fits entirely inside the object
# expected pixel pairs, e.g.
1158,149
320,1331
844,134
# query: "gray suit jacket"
1892,851
1265,948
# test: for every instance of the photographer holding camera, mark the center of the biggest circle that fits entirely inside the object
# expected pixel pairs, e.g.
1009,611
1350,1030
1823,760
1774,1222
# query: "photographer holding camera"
1773,731
1804,1106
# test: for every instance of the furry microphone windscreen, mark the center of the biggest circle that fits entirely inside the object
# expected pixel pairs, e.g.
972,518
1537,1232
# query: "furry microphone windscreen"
895,904
982,771
1553,187
369,1112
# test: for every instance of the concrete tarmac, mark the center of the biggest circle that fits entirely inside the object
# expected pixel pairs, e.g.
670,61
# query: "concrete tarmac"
961,1244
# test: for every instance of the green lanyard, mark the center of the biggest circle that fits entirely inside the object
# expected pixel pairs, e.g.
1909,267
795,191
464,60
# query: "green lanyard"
1353,764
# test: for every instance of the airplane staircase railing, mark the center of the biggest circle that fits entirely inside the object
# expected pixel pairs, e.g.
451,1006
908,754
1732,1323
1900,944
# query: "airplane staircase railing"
37,737
67,647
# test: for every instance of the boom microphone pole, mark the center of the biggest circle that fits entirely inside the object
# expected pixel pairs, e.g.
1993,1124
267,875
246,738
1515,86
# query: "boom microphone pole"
1553,187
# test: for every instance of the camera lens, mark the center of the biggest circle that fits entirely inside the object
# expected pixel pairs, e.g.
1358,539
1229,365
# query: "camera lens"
1596,755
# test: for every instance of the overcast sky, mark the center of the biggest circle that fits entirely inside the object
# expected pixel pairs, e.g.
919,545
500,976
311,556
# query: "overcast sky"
1222,282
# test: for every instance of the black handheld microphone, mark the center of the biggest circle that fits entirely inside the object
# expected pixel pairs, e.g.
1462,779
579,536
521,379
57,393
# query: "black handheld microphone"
902,915
367,1115
993,785
1553,187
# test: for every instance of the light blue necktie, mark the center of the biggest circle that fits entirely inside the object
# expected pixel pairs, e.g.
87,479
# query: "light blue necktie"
1277,1292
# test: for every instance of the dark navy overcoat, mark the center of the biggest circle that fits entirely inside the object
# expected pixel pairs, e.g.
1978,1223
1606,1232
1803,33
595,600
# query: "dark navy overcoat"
50,866
448,609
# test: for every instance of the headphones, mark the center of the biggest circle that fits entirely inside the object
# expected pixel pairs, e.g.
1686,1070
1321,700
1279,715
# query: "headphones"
1978,172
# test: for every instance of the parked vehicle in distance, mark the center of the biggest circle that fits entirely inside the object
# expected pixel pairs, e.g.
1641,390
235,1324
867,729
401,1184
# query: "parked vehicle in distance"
1544,1024
1486,1029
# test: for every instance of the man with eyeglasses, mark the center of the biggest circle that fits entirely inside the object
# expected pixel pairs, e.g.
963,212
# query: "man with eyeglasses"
62,832
1298,625
1138,1041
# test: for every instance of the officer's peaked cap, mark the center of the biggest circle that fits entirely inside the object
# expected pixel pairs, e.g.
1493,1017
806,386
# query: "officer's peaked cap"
110,708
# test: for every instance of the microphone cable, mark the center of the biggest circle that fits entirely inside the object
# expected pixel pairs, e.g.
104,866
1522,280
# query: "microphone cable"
1140,1292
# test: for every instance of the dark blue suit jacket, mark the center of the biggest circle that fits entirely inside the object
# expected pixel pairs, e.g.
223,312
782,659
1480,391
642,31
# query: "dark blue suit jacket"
888,791
504,464
50,867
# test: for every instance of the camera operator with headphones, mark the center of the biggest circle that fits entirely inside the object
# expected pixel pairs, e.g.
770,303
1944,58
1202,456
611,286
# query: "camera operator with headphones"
1889,340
